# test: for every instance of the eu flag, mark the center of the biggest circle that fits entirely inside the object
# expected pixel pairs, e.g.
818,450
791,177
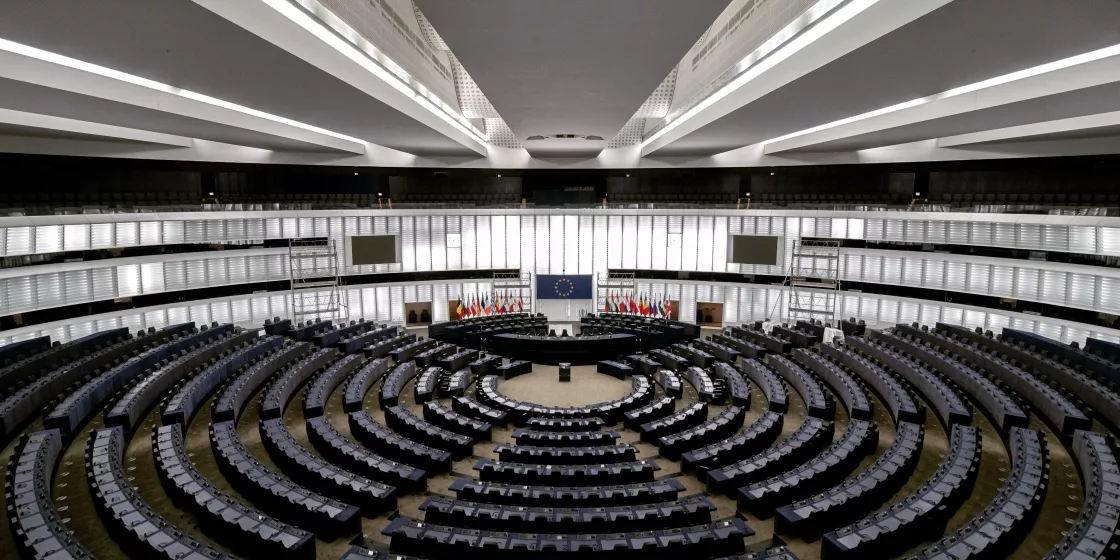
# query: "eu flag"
564,286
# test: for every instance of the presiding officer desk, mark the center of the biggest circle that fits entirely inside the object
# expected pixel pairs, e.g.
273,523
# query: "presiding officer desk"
553,350
472,332
654,333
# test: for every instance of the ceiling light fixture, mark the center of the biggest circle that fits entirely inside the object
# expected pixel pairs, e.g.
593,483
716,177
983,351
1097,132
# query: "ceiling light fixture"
53,58
775,50
970,88
328,28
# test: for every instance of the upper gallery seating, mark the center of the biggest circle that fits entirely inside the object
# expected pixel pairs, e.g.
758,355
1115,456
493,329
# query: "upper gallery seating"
672,198
464,197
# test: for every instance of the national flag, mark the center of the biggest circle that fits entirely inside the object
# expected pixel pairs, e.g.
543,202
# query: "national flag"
668,308
633,305
459,308
607,306
501,304
520,304
644,308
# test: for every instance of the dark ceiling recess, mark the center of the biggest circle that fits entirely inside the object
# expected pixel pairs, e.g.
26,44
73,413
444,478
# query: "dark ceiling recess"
64,174
591,137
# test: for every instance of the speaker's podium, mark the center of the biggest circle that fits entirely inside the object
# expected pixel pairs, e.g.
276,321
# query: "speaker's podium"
565,372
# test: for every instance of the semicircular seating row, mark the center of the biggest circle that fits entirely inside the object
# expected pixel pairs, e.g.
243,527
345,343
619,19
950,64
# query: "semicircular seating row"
565,483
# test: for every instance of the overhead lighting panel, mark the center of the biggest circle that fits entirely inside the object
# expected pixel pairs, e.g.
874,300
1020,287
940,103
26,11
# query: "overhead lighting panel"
73,63
329,28
811,26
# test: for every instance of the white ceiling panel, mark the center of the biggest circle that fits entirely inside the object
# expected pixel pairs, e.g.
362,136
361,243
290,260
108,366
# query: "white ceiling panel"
964,42
180,43
578,67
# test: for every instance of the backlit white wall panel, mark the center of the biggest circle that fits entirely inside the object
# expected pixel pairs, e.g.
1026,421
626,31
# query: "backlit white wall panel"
555,244
1084,287
559,241
29,288
381,302
744,303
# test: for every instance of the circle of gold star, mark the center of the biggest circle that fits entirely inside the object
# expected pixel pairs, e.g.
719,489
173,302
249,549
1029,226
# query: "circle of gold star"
571,287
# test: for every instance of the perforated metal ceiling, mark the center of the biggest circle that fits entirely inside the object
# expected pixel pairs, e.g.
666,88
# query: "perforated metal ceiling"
656,107
472,102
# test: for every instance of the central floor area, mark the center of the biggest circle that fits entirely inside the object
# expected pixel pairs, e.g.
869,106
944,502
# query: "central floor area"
543,386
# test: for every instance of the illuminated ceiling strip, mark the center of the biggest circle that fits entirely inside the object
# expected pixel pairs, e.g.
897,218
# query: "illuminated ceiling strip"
1052,87
777,49
1086,123
328,28
46,56
86,128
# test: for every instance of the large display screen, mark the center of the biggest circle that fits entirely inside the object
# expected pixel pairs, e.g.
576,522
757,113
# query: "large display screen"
373,249
755,249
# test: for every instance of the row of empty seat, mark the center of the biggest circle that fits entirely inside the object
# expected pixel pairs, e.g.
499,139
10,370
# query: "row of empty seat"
920,516
1001,526
438,541
566,485
950,407
823,471
1049,402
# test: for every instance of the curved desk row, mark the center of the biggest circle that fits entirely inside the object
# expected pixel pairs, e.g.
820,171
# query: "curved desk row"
553,350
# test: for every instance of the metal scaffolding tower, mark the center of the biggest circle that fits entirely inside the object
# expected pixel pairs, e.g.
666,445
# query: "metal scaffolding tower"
515,284
814,280
313,271
618,282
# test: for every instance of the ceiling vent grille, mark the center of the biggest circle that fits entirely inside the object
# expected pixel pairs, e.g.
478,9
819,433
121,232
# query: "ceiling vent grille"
590,137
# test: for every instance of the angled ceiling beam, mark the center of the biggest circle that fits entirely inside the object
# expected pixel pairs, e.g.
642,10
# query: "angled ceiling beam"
72,127
1086,70
290,27
826,32
1086,124
35,66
